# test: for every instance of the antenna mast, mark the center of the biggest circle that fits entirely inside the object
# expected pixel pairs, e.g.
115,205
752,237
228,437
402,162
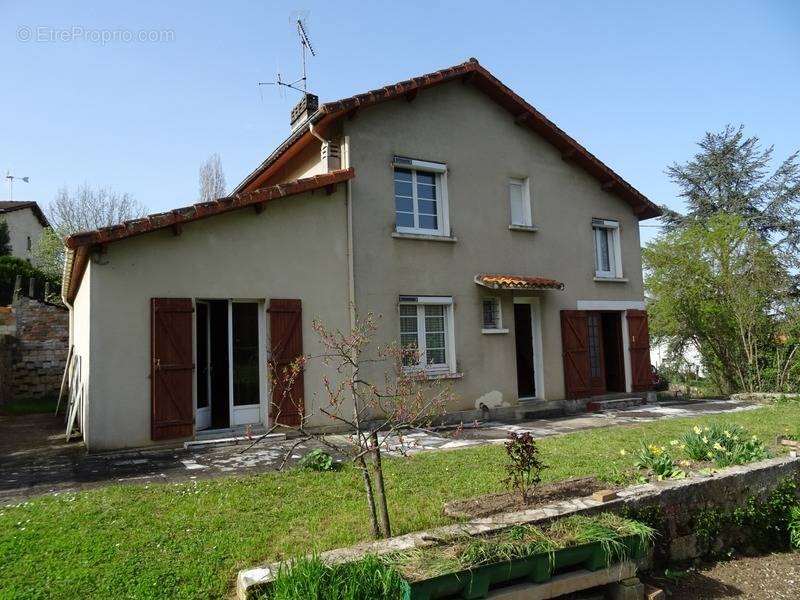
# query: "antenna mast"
305,45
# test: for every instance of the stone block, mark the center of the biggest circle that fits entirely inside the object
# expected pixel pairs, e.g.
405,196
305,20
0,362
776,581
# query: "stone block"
653,593
683,548
627,589
604,495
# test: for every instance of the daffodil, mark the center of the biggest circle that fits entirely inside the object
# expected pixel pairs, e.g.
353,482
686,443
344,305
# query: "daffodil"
705,439
697,430
718,446
726,433
674,442
623,452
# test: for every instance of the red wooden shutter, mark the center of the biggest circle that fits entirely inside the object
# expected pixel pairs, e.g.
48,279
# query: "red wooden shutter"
171,368
575,350
639,346
286,333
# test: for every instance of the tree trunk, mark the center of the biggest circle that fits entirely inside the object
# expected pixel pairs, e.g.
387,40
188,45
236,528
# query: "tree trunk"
373,517
379,487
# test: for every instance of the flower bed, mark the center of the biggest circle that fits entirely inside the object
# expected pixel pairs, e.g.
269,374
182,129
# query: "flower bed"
469,567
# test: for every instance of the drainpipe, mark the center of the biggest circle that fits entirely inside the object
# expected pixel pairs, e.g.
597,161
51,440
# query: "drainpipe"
349,203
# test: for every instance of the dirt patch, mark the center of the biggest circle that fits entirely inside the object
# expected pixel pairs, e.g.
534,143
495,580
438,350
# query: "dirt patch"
769,577
483,506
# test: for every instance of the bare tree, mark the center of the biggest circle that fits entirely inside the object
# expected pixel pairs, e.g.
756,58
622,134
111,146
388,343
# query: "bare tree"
373,415
212,179
89,208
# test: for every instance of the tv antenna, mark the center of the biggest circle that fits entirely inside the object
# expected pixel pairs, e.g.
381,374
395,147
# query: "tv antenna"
299,85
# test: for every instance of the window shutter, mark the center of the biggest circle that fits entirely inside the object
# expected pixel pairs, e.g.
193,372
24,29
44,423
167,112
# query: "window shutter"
575,351
286,333
639,348
171,368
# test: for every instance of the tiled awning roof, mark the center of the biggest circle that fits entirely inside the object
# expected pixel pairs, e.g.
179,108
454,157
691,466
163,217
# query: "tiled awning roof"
517,282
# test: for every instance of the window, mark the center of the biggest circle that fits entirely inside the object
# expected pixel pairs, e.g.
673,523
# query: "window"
30,244
492,315
244,338
420,197
607,255
426,326
520,197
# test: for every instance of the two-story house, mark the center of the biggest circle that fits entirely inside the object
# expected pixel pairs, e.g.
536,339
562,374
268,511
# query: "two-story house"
25,221
483,234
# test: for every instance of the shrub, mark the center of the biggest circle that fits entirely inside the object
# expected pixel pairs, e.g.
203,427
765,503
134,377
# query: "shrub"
524,468
794,528
318,460
656,459
724,445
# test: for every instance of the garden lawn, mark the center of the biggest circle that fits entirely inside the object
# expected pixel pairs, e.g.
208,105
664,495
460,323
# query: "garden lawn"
189,540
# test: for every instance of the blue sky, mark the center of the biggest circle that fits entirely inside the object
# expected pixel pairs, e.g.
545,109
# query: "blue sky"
638,83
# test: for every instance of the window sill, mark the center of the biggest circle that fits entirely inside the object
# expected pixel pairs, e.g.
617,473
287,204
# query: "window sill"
493,331
434,375
529,228
424,236
612,279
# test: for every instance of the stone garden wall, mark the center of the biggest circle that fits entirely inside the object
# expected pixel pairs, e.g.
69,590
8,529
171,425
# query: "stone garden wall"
34,339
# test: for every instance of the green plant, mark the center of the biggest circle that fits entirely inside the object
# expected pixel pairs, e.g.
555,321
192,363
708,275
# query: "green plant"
724,445
524,468
655,458
794,527
318,460
312,579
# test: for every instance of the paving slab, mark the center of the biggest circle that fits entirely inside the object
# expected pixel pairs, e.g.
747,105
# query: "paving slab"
35,459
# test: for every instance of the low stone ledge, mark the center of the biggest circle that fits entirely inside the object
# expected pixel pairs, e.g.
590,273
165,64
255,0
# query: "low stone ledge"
724,489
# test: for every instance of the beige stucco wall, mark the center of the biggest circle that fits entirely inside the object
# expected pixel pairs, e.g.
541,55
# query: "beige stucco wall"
294,249
482,147
22,224
80,334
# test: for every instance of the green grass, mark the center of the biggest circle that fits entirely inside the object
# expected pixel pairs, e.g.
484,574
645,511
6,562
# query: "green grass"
30,406
188,540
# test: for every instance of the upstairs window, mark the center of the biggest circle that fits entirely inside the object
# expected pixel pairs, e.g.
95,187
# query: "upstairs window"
607,253
520,198
420,197
426,327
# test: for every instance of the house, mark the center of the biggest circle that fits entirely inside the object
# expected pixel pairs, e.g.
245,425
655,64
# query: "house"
25,224
480,231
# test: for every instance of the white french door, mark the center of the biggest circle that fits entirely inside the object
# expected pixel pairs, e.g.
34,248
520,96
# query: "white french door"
203,369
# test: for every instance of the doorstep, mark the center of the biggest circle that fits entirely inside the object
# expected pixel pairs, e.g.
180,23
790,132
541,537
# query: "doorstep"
231,437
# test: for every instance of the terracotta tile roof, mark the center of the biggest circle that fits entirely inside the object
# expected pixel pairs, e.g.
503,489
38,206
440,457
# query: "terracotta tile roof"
186,214
473,73
79,244
517,282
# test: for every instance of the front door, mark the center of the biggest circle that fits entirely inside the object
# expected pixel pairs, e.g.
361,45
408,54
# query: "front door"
523,335
203,371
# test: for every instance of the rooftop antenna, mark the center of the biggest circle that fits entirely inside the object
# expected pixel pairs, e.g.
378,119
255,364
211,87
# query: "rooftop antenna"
11,179
299,85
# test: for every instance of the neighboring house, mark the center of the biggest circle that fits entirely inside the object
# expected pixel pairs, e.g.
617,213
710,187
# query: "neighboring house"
480,231
25,224
691,359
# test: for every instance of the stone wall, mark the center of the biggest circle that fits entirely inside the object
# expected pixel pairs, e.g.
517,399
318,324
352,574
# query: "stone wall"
34,339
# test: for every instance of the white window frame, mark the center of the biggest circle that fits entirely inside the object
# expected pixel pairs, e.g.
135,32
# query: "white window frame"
527,216
442,206
498,328
421,302
611,228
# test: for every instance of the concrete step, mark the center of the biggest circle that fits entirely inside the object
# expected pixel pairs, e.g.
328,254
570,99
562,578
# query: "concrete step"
614,403
231,438
539,409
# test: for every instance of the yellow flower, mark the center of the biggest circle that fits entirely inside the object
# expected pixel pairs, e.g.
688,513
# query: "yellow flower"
754,438
706,429
717,446
705,439
710,455
623,452
683,446
726,433
686,463
674,443
697,430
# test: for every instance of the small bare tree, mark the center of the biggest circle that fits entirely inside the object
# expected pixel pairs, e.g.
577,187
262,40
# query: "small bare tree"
374,415
89,208
212,179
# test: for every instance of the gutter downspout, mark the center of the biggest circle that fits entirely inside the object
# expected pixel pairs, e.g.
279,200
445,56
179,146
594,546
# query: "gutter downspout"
349,204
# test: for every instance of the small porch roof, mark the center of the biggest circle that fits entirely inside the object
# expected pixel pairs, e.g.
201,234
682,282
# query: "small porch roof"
517,282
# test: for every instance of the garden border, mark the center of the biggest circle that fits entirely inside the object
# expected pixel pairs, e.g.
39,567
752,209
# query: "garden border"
679,499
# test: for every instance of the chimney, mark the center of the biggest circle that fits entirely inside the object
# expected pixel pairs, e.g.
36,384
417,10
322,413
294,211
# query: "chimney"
307,106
